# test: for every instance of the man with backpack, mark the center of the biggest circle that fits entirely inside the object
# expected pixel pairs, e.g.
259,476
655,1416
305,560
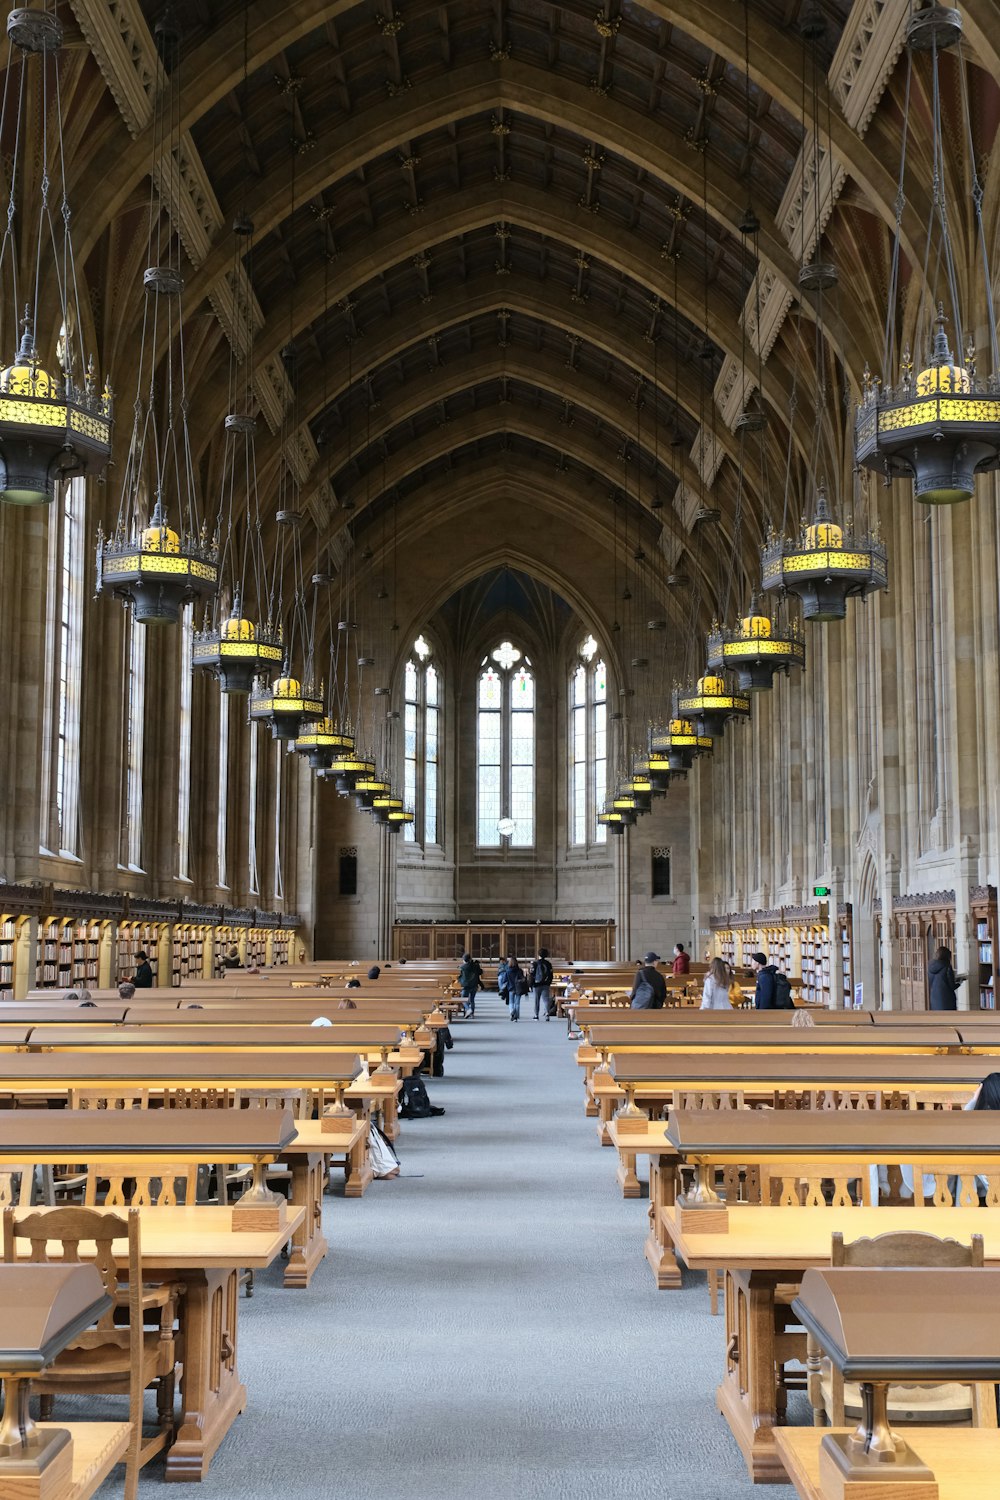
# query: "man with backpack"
773,991
541,982
649,991
470,977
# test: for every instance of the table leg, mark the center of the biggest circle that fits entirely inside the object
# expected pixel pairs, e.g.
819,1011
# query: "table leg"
359,1172
747,1396
607,1104
626,1175
390,1117
212,1395
589,1102
308,1243
659,1246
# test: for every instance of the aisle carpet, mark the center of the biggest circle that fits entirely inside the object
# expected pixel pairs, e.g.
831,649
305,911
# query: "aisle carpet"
485,1325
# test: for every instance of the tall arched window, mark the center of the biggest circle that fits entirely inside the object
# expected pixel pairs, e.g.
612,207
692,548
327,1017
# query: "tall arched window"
422,695
184,746
588,746
134,676
505,749
63,660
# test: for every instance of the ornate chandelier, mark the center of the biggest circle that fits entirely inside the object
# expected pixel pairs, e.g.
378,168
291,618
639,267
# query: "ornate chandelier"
678,744
160,555
241,638
51,428
825,565
756,649
943,428
710,705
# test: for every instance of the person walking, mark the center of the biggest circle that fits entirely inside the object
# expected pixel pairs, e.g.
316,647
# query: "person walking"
470,977
715,990
682,959
649,989
518,987
503,979
772,990
541,981
944,982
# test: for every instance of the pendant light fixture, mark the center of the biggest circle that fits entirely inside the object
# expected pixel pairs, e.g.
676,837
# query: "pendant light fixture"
758,646
241,637
52,428
943,428
289,702
159,555
831,558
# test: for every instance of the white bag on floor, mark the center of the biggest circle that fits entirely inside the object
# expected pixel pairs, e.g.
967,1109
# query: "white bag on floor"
383,1159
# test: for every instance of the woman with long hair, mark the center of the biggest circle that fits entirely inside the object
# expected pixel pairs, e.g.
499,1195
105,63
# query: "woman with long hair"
715,990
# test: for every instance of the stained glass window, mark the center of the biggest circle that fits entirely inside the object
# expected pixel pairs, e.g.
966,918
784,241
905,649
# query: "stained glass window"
63,657
588,746
421,745
505,766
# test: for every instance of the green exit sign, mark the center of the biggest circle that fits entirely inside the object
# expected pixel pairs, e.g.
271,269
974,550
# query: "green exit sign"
821,890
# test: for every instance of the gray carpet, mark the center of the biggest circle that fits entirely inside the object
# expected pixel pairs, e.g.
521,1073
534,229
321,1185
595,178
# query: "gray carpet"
486,1324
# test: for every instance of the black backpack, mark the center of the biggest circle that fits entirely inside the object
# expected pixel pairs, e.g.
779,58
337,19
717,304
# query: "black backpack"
414,1103
782,992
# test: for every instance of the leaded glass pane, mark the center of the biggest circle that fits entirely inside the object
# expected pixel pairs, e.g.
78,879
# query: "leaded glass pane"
490,690
410,683
431,686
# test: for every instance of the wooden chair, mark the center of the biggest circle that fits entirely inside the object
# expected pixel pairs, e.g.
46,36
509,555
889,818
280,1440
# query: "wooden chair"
973,1405
109,1359
16,1185
108,1099
140,1184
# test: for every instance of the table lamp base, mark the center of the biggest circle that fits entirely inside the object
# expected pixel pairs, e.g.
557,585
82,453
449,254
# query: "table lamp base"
846,1476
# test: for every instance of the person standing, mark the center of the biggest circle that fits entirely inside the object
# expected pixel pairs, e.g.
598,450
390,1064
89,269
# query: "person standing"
772,991
143,976
503,979
470,977
682,959
944,982
541,980
649,990
715,990
517,987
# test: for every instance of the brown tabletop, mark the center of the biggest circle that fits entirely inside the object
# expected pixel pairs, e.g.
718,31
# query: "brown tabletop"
800,1070
41,1135
805,1038
22,1072
886,1135
355,1036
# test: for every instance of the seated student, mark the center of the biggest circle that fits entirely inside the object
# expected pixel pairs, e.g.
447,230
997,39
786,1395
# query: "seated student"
374,971
803,1018
232,959
649,991
987,1096
126,990
715,990
345,1003
143,976
353,984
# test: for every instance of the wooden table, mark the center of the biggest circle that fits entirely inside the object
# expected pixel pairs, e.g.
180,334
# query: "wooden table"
780,1077
965,1462
199,1247
47,1136
55,1074
763,1247
97,1447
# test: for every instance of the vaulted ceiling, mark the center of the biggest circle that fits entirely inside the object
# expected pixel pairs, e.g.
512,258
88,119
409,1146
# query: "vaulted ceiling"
497,268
